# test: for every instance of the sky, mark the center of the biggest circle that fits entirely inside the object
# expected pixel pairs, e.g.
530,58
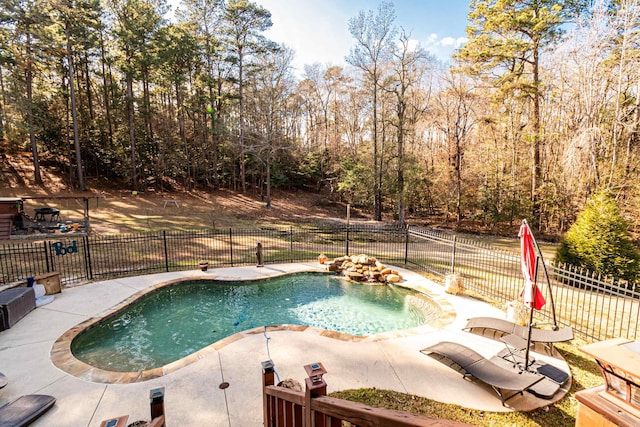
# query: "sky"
318,29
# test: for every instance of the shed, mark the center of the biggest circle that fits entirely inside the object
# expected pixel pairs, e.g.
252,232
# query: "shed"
10,209
11,205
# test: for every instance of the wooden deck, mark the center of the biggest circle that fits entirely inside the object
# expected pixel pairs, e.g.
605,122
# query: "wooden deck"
283,407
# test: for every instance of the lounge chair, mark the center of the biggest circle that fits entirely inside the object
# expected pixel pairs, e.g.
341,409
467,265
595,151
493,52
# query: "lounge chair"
25,410
472,364
495,328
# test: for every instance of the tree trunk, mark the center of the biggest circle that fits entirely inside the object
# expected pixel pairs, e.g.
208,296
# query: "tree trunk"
268,178
88,88
148,120
32,134
214,142
243,180
635,134
132,134
536,168
458,177
105,85
183,134
2,104
377,193
401,195
74,112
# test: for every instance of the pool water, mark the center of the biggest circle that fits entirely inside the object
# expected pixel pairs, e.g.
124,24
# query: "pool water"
178,320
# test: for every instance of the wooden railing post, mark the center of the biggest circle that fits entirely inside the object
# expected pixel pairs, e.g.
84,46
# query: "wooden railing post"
315,386
268,378
156,400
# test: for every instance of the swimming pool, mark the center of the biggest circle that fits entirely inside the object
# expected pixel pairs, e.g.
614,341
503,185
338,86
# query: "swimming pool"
177,320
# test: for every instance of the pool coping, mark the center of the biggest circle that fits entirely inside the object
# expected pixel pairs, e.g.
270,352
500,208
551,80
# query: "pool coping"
62,357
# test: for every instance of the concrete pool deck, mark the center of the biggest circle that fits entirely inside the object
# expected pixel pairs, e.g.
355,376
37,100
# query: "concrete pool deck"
192,396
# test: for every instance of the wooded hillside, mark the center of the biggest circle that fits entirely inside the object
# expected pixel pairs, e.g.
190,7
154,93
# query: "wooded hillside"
539,110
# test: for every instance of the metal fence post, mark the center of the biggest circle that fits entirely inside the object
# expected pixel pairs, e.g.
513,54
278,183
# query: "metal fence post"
291,243
46,256
166,252
347,251
231,245
87,258
406,245
453,255
51,259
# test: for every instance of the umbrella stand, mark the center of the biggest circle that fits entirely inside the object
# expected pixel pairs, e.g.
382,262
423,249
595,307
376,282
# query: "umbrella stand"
533,298
546,274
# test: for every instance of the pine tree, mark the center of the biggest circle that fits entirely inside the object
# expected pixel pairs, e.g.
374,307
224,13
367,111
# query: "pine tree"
244,23
599,240
506,40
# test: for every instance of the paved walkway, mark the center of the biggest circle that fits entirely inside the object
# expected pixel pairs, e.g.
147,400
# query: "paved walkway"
192,393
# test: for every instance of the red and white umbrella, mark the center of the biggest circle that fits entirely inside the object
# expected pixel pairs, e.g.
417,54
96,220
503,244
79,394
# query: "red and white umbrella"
530,294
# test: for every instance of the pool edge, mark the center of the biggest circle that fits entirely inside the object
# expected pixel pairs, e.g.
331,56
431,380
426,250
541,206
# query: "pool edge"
62,357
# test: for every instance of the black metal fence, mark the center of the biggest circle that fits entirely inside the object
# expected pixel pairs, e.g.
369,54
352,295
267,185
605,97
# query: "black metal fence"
597,308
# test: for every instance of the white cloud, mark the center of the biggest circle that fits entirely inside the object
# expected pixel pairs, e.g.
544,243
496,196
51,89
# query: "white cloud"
316,33
447,41
318,29
412,44
443,47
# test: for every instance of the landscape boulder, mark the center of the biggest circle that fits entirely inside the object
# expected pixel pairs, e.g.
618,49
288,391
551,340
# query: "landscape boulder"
363,268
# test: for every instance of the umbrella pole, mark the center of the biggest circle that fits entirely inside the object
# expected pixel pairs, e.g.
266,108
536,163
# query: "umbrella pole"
546,275
533,299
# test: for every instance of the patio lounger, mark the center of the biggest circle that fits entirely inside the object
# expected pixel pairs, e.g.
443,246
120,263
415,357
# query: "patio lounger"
495,328
472,364
25,410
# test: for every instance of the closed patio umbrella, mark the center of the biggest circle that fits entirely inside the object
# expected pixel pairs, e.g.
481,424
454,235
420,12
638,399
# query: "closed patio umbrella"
531,295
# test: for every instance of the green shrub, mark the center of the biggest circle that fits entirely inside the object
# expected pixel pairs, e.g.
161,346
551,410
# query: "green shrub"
599,241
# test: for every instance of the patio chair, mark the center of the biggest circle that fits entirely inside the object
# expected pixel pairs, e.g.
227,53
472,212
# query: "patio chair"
496,328
25,410
471,364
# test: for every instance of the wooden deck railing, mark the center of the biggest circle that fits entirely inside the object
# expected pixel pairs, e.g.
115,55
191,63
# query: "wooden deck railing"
283,407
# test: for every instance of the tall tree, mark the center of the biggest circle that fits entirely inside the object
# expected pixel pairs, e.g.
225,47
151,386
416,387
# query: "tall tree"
28,18
206,15
408,69
273,86
178,53
580,87
136,22
374,36
506,40
626,23
454,116
5,59
244,23
72,17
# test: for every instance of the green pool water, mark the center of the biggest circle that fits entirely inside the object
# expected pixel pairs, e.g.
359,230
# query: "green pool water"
178,320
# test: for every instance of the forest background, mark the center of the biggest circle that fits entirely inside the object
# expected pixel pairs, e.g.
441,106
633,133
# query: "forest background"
537,112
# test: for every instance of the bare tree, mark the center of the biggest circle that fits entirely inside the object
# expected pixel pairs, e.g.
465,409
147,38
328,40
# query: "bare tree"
407,73
626,23
455,117
374,35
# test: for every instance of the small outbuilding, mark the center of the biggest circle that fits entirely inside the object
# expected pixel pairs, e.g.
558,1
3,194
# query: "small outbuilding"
11,209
